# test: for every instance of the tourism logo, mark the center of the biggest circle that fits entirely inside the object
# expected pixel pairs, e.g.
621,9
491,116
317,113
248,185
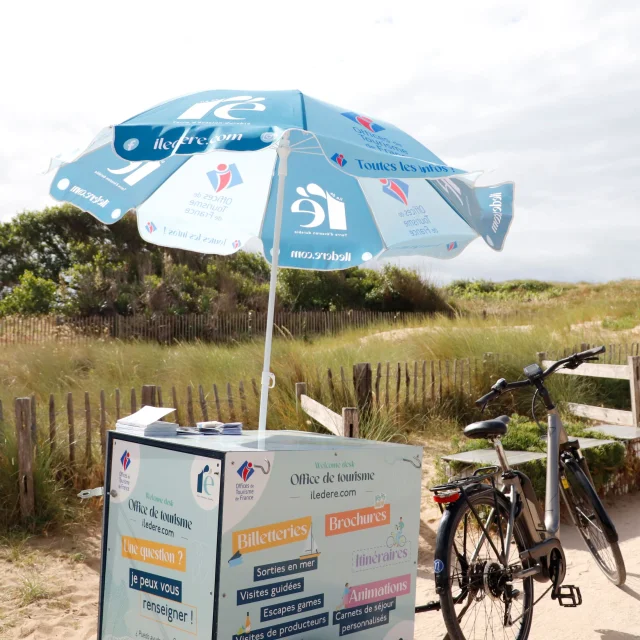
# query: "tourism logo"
150,227
224,176
339,159
396,189
125,460
203,483
224,108
451,246
236,244
336,210
246,470
363,121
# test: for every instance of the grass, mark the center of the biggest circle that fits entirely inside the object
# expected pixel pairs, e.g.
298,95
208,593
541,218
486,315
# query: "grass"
31,589
515,320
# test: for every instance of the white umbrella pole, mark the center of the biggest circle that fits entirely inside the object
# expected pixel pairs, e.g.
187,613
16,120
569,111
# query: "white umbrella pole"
268,380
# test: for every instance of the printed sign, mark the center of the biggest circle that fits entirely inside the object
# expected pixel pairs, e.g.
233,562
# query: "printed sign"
161,544
327,549
214,204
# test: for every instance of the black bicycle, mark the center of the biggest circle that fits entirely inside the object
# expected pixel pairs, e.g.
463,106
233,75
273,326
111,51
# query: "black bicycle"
494,542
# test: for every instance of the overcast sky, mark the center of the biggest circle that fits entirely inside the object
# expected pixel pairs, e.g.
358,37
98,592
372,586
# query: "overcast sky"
545,93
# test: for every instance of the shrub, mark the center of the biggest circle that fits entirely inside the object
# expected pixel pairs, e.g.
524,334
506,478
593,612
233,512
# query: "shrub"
604,462
32,296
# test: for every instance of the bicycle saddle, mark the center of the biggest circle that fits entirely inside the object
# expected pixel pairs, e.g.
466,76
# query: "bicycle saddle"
487,428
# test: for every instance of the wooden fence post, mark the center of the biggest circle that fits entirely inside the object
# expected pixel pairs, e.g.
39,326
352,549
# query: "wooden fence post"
117,404
134,404
232,411
52,424
25,457
203,403
72,430
363,385
634,384
103,423
88,456
350,422
301,389
190,417
216,397
34,424
148,395
174,399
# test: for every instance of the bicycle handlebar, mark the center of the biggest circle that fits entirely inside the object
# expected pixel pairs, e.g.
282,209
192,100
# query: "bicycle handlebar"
570,362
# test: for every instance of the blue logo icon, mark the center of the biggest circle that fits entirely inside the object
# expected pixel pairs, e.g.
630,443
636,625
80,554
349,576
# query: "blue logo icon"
451,246
246,471
224,176
438,566
125,461
205,481
396,189
363,121
150,227
131,144
339,159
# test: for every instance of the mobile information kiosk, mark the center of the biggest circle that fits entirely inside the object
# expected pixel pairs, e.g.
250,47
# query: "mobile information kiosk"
255,537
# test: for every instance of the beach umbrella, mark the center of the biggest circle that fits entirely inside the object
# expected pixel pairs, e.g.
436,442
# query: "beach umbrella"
321,186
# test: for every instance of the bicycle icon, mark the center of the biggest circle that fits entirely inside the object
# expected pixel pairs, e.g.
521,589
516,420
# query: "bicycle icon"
396,539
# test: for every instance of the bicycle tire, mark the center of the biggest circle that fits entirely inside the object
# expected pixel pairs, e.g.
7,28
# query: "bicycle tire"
446,578
593,522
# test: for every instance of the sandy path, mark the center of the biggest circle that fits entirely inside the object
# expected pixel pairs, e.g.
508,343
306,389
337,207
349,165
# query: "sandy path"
49,586
607,612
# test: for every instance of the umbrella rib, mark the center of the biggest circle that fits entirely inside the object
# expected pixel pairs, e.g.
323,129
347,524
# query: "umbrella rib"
309,153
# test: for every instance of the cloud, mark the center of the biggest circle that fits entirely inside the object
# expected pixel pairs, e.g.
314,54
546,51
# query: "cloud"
543,93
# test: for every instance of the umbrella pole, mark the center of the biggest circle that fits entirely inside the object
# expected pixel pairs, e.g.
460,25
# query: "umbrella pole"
268,379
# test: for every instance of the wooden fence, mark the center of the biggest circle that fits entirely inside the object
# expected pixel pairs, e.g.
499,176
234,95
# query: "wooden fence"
73,426
629,371
167,329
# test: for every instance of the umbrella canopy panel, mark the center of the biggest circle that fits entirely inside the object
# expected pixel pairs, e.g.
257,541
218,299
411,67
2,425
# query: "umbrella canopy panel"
200,171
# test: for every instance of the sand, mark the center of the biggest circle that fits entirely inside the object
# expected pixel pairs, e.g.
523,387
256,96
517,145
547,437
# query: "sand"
49,585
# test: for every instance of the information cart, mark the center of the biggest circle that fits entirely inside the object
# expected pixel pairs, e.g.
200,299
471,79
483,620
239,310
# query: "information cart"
253,537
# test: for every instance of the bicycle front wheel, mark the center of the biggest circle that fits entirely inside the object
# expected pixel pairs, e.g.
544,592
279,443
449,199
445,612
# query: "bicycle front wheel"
479,598
593,522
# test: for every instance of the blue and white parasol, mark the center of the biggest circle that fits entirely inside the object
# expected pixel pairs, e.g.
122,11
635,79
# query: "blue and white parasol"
348,188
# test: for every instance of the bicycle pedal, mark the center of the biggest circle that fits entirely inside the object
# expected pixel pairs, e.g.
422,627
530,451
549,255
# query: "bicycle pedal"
568,595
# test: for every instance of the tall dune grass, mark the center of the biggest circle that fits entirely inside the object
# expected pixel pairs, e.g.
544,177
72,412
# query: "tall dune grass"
59,368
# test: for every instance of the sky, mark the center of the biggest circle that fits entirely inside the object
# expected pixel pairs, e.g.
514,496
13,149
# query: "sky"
544,93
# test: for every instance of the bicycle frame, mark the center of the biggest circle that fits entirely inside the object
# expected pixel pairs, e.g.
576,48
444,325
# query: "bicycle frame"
556,437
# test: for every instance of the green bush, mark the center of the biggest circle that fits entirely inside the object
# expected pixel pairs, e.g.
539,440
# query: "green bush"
520,290
390,289
32,296
604,462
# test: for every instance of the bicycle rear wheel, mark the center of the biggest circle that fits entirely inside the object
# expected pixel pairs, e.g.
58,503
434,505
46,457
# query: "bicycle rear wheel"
479,600
593,522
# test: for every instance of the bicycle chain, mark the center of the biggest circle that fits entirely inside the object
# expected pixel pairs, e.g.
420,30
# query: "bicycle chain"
531,607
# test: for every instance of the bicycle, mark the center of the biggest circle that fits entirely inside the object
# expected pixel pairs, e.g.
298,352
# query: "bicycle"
493,542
